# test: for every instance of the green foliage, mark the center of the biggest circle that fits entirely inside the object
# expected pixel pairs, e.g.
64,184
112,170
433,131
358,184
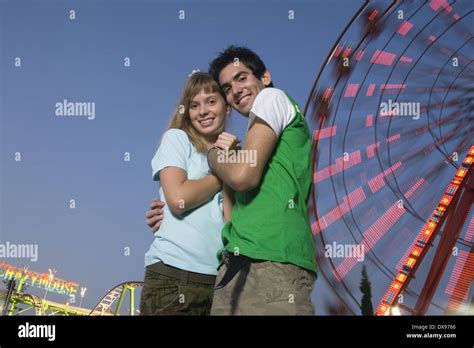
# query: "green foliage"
366,289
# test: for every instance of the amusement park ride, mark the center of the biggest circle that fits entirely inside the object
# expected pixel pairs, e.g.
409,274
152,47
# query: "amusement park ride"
392,116
14,295
392,111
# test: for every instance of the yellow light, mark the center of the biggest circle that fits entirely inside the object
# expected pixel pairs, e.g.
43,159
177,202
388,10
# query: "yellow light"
401,277
396,311
446,199
461,172
383,309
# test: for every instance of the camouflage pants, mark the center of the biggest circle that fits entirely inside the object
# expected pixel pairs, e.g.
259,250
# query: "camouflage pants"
265,288
163,295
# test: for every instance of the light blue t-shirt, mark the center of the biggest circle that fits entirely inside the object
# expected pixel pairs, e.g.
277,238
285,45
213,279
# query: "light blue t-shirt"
192,241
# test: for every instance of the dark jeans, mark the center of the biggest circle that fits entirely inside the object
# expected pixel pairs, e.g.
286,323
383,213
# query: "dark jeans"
164,295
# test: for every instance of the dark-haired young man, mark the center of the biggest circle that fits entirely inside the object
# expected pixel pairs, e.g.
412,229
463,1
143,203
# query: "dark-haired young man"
269,259
268,265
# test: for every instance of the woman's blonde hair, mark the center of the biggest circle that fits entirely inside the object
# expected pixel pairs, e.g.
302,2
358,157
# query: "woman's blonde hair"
181,120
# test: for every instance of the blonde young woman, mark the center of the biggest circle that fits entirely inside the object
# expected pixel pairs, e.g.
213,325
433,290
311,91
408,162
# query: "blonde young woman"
181,264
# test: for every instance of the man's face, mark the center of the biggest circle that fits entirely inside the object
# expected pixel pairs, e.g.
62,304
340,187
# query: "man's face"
241,86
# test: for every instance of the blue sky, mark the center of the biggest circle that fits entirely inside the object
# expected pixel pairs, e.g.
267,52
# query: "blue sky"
82,60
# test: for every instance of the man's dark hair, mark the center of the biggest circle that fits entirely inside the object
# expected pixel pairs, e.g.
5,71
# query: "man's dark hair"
244,55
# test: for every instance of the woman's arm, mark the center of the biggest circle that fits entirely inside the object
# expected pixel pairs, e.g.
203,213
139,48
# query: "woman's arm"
229,200
182,194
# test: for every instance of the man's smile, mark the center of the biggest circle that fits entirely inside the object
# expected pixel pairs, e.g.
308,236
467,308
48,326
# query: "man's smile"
242,101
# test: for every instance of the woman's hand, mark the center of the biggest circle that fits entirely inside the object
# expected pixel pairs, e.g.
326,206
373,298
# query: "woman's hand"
227,141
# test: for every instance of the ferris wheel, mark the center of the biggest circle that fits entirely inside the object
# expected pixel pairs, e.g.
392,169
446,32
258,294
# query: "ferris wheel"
392,115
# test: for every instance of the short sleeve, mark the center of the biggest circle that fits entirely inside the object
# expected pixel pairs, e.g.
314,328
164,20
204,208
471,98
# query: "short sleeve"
274,107
174,151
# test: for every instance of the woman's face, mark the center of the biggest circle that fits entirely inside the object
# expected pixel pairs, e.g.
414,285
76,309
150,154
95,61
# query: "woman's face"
207,112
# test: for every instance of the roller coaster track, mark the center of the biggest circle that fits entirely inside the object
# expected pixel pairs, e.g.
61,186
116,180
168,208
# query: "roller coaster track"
118,292
103,308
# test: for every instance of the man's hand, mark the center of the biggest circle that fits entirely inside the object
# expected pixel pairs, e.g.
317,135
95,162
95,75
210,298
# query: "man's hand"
244,176
155,215
227,142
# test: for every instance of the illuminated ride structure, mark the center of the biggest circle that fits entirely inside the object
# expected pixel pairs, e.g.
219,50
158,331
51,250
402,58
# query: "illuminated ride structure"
392,114
110,304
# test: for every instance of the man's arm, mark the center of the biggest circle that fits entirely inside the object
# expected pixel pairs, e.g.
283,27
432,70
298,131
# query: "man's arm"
261,140
229,200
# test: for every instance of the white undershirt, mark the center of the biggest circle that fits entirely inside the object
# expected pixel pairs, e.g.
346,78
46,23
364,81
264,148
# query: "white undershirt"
274,107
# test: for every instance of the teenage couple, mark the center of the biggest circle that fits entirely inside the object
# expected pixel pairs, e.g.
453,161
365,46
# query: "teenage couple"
231,238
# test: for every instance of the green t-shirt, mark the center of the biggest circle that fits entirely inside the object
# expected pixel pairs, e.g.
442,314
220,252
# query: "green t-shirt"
271,221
